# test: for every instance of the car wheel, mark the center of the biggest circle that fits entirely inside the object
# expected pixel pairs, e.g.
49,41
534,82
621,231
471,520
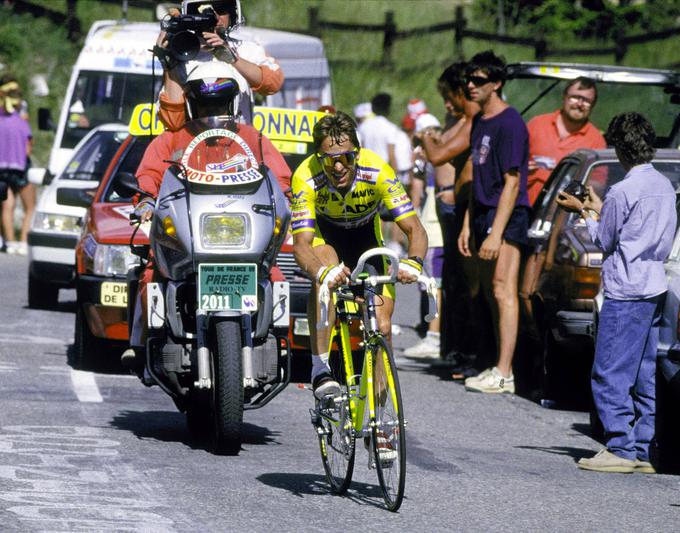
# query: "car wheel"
86,346
41,294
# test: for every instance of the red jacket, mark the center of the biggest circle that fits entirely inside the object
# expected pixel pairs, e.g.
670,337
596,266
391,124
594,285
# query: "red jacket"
169,146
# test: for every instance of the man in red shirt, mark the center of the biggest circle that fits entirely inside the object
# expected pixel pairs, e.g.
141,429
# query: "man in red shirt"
555,135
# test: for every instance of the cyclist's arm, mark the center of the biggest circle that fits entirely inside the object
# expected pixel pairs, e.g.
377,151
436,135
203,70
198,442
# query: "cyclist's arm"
417,237
304,253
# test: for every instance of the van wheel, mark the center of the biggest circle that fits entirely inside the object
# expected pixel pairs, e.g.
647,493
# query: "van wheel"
86,347
41,295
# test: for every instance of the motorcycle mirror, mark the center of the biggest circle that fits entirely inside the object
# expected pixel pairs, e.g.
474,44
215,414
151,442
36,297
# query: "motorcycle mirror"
45,122
75,197
126,185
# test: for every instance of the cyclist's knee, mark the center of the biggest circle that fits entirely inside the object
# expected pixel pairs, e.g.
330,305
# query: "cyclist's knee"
385,326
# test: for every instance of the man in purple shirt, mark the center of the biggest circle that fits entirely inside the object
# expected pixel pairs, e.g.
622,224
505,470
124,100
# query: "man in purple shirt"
635,232
498,215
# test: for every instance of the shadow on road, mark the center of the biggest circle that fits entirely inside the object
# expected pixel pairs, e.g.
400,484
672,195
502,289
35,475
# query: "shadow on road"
168,426
302,485
575,453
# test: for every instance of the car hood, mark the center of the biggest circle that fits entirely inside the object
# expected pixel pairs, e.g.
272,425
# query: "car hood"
110,224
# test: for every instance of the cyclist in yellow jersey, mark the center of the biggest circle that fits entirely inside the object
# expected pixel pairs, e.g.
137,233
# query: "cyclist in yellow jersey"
337,194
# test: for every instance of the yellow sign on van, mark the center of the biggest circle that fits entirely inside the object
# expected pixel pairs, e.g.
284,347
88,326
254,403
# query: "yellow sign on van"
289,129
280,124
145,121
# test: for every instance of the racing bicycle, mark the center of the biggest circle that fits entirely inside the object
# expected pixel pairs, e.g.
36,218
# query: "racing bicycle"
370,404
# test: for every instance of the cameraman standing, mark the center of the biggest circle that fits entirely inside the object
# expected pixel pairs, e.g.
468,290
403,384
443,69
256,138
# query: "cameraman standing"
635,232
258,71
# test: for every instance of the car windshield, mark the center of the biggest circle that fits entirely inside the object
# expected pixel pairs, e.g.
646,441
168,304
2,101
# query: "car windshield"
129,163
90,161
612,98
101,97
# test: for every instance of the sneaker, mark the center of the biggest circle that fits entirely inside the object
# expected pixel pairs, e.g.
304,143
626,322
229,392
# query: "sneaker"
132,358
324,385
386,451
606,461
644,467
11,247
475,379
21,248
426,349
491,382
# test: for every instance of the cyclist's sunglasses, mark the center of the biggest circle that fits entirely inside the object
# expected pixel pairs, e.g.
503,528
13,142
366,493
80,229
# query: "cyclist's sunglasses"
347,159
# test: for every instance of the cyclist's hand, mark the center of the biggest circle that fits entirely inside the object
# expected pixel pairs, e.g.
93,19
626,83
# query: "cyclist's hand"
333,275
144,211
409,270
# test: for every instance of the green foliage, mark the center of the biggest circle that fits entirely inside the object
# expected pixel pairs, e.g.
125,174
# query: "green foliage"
24,55
597,19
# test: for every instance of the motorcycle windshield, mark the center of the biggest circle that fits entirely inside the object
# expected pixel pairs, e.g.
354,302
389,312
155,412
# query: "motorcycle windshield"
221,153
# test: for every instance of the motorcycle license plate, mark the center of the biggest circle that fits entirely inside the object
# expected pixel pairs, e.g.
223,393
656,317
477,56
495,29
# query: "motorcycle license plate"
227,287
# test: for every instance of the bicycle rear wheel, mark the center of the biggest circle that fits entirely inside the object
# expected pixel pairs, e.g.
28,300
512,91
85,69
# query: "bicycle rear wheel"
389,438
336,437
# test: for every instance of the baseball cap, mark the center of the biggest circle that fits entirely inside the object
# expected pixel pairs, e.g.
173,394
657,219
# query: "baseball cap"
425,121
363,110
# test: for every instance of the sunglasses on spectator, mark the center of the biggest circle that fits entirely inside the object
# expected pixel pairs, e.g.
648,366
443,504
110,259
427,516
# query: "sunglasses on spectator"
578,99
346,159
220,8
477,81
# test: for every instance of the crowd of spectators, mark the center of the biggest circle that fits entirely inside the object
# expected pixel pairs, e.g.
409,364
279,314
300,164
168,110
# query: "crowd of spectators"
475,181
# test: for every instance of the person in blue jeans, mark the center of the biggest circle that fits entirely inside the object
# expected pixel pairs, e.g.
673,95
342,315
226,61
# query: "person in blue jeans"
635,232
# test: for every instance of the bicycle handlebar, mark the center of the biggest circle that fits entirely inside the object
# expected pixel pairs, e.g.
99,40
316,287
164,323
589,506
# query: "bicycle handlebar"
430,283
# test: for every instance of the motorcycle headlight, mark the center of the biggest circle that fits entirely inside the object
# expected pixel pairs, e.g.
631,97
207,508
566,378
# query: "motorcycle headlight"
225,230
55,223
113,260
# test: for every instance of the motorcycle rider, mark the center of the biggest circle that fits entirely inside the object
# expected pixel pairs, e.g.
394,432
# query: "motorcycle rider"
255,70
337,194
211,90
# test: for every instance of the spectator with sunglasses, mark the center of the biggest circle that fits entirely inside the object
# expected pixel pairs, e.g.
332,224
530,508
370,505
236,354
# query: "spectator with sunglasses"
555,135
337,196
256,70
497,216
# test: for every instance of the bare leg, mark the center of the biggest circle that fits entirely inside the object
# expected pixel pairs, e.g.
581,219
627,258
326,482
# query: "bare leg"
8,217
27,195
505,282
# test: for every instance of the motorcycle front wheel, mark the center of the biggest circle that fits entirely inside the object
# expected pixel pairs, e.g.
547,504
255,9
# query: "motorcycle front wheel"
227,387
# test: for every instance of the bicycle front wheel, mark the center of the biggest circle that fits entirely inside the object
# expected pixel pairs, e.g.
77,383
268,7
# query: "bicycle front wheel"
389,437
336,435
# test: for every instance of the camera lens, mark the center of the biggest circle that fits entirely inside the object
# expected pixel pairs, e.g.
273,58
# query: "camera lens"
184,45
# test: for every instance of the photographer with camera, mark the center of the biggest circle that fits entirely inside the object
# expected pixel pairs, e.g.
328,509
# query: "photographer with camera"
206,30
635,232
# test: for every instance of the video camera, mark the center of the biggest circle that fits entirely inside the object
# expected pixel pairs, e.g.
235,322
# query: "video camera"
577,190
185,33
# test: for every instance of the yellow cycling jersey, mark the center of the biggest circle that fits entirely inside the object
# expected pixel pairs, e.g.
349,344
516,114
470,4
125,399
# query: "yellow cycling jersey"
374,185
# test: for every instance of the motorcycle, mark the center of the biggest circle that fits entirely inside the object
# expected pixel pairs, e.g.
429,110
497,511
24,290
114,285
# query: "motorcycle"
217,322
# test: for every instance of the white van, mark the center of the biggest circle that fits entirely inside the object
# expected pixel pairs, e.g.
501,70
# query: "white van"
113,74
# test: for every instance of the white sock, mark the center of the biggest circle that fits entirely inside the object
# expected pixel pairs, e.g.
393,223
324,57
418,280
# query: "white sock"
433,336
319,365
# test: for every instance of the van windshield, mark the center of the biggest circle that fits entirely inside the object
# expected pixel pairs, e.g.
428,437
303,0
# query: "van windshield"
102,97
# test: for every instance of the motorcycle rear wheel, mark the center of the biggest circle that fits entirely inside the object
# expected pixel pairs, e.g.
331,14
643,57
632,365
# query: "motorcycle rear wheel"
227,397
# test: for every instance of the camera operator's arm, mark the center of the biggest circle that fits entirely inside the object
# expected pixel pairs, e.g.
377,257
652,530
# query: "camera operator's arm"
264,76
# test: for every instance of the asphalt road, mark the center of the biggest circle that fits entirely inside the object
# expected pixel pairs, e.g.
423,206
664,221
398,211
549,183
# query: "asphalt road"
83,451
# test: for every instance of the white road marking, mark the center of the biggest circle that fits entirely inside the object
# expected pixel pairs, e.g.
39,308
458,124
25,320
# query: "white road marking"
6,367
85,387
32,339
